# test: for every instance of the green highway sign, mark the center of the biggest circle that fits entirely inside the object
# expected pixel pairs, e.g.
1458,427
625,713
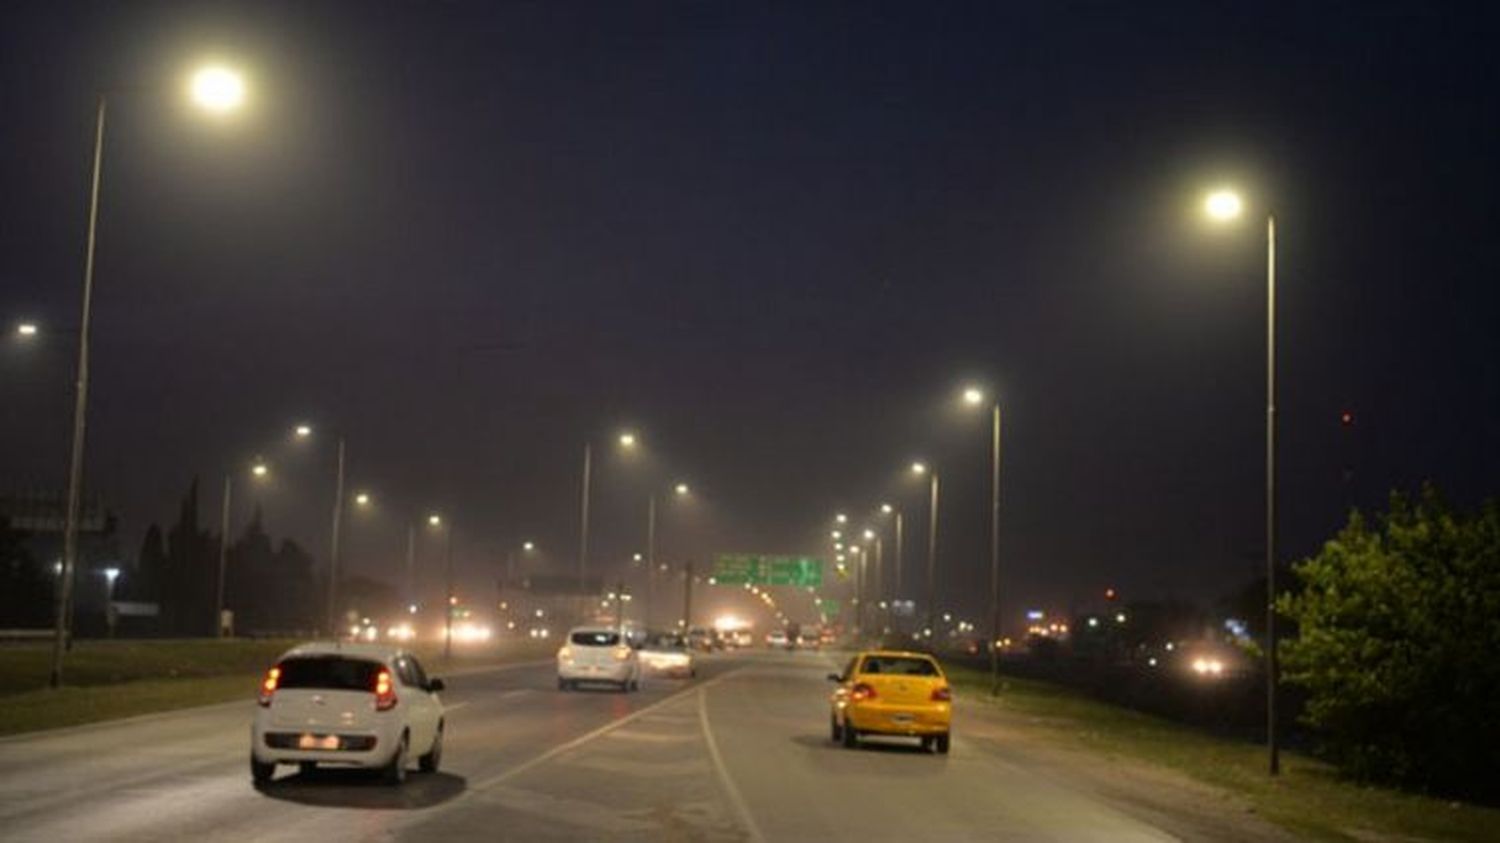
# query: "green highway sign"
755,569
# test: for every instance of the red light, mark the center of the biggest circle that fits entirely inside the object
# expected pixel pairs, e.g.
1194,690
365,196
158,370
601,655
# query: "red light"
1110,594
943,694
861,692
1346,418
385,694
268,685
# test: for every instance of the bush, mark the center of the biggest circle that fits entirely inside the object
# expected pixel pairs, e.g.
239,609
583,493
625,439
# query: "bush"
1399,646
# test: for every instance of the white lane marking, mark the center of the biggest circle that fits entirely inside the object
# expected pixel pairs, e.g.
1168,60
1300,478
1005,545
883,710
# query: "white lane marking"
649,737
585,738
733,792
455,706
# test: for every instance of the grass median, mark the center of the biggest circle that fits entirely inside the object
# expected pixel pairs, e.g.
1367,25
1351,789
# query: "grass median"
1309,797
106,680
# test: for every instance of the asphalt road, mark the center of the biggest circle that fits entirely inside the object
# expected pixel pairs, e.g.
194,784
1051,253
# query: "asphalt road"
740,754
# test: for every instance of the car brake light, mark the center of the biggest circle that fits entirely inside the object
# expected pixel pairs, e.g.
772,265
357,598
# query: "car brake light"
943,694
385,694
861,692
622,653
565,654
268,685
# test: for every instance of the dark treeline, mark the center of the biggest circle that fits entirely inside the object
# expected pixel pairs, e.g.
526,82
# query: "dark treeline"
270,587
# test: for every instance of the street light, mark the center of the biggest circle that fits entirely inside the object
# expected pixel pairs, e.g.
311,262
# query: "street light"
920,468
218,89
1224,206
26,329
436,522
841,518
528,546
110,575
362,499
627,441
974,396
335,531
260,469
214,97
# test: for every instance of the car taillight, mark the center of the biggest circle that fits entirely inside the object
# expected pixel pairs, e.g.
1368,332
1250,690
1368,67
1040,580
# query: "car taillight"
861,692
385,692
622,653
942,694
268,685
565,654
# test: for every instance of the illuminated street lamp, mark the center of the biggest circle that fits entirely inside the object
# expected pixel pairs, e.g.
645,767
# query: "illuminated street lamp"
216,96
974,397
362,499
26,330
681,489
218,89
1224,206
627,441
920,468
841,518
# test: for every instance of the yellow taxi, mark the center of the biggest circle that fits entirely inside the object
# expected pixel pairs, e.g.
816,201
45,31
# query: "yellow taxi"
892,692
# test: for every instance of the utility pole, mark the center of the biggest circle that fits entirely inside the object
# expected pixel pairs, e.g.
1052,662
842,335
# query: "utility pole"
333,542
932,530
411,564
583,529
223,556
687,597
650,557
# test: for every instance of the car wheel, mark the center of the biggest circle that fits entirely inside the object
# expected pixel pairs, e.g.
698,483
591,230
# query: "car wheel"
261,772
395,772
834,730
942,744
429,762
927,743
635,684
851,737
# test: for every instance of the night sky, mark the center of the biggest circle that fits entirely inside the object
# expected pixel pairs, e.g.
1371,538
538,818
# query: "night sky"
774,239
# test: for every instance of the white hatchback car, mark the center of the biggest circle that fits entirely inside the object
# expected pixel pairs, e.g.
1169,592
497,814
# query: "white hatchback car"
360,705
597,654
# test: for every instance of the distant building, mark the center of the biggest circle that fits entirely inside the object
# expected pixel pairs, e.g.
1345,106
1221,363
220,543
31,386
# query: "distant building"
38,519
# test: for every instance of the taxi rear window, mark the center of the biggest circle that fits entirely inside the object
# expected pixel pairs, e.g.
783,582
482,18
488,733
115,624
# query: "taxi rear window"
596,639
899,666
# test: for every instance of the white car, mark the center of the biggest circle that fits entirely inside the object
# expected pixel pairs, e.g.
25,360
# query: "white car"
360,705
597,654
668,655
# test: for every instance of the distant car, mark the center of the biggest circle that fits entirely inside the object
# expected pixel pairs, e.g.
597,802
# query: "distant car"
700,638
597,654
808,641
889,692
360,705
668,655
777,638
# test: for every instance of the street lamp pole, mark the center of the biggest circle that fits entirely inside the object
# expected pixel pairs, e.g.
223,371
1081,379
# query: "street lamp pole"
1272,746
223,555
448,602
333,542
80,412
583,529
995,552
650,556
411,564
932,533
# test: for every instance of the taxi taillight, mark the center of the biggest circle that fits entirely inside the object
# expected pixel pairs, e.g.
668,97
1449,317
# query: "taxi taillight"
622,653
268,686
861,692
385,691
943,694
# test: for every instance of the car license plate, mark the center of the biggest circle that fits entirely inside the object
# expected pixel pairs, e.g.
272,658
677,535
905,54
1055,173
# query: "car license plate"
902,718
318,742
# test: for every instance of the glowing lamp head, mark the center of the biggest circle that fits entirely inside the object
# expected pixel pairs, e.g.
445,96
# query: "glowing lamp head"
973,396
887,509
1223,205
362,499
919,468
681,488
218,89
260,469
302,431
627,440
528,546
435,520
26,329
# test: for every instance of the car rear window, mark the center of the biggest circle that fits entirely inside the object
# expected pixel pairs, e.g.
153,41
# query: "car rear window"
596,639
899,666
329,673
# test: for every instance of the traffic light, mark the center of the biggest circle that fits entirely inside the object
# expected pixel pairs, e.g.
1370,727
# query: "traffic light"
1110,594
1346,418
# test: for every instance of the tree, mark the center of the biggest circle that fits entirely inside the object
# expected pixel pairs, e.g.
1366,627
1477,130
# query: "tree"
26,598
187,592
1398,643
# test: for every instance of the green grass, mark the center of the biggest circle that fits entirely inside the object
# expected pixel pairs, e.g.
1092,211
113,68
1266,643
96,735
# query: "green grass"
1309,797
106,680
